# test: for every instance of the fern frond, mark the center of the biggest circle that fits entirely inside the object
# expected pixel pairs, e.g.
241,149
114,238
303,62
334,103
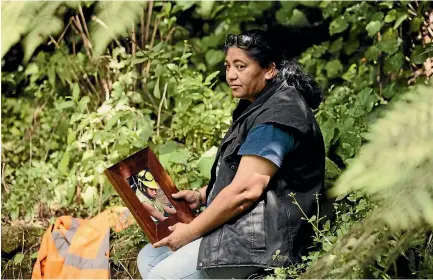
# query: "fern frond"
113,19
34,21
396,167
45,23
14,22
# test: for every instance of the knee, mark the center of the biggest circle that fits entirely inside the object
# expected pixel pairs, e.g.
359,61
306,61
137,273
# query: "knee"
164,270
143,255
144,259
155,273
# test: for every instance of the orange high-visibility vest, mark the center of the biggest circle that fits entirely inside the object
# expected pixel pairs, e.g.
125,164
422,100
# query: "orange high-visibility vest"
75,248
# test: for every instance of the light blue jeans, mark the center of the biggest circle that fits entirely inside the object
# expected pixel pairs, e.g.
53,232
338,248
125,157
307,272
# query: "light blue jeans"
162,263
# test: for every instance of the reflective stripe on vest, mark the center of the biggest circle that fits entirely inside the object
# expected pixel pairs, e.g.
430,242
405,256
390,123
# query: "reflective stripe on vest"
63,242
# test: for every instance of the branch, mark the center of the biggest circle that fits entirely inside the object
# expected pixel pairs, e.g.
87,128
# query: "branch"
158,122
149,19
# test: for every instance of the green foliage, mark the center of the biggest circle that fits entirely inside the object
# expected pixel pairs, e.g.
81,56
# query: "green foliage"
354,91
90,136
361,76
393,168
393,171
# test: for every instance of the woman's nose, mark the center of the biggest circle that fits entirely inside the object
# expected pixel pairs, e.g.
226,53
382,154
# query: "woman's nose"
231,74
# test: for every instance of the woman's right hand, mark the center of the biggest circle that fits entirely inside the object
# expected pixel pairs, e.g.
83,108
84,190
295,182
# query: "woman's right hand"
191,197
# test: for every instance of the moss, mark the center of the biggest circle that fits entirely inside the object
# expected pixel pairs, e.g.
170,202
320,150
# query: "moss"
12,238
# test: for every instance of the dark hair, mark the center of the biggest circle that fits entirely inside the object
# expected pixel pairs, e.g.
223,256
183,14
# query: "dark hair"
265,49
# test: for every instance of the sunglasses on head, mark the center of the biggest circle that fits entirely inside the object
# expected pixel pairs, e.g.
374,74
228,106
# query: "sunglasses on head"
240,41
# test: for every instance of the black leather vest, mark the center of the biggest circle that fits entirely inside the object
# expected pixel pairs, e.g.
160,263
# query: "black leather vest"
274,222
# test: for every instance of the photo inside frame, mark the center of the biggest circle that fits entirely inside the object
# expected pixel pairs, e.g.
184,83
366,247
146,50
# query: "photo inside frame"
151,196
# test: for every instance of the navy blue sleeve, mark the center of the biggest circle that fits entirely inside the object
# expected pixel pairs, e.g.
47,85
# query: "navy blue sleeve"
268,141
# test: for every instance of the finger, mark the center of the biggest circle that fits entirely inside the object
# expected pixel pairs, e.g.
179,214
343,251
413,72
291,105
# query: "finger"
160,243
173,227
179,194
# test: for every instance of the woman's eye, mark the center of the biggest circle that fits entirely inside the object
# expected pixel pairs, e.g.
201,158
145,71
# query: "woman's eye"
240,67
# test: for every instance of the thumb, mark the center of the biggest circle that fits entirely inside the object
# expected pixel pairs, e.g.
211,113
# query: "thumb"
171,228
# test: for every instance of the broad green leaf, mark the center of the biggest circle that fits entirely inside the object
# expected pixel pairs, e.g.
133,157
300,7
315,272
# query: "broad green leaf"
166,9
372,53
204,8
394,63
366,98
179,156
112,120
210,77
351,138
205,165
82,104
418,55
168,147
89,196
31,69
415,24
284,14
351,46
70,192
88,154
391,16
159,70
338,25
138,60
75,92
388,4
14,131
328,129
389,45
298,19
15,213
19,257
182,5
34,255
66,105
389,91
310,4
206,161
333,68
213,57
64,163
75,117
377,16
373,27
400,20
156,90
350,73
336,46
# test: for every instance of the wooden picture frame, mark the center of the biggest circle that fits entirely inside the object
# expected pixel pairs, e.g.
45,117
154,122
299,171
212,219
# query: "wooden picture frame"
118,175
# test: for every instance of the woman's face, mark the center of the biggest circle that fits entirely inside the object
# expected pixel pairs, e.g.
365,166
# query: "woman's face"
244,75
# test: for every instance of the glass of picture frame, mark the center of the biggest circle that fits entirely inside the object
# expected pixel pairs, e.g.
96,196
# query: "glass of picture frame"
146,189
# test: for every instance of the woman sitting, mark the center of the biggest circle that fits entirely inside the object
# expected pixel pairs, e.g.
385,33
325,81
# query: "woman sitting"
273,148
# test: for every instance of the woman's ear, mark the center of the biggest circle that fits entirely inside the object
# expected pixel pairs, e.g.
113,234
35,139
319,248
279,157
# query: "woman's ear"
271,71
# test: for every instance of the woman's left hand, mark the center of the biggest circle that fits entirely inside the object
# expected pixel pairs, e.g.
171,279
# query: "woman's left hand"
180,236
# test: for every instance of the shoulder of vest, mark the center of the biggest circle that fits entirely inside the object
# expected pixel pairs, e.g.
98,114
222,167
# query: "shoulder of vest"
285,107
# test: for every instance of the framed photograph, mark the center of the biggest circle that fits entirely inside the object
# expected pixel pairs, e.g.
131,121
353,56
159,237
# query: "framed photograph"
146,188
